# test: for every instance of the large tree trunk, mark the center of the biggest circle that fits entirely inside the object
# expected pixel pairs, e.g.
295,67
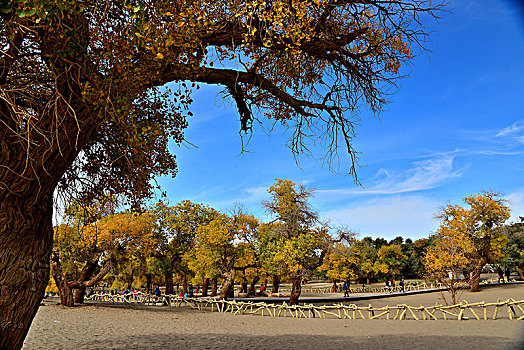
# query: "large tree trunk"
252,287
214,286
276,284
169,283
205,286
475,275
35,152
26,238
296,289
228,285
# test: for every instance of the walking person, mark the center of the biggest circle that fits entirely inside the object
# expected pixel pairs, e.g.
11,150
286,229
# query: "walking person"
507,272
501,274
346,289
401,284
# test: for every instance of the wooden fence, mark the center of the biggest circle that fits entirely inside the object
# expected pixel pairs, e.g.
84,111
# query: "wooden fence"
509,309
408,287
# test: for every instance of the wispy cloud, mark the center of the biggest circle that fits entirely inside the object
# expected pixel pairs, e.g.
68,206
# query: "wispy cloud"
409,216
423,175
512,129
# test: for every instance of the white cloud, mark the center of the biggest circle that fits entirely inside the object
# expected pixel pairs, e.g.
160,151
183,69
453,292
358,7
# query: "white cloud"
512,129
408,216
424,175
516,203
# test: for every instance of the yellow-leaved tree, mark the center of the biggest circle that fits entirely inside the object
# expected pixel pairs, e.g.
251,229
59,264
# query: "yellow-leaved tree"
469,236
390,258
223,247
447,257
295,245
341,261
175,228
84,247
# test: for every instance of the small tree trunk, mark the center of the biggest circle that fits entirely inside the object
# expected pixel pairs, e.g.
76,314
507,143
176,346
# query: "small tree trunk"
148,283
228,285
168,277
214,286
521,275
185,286
475,275
334,285
130,281
66,293
204,287
85,275
252,287
276,284
296,289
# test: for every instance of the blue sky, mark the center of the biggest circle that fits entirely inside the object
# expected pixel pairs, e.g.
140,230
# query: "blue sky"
455,127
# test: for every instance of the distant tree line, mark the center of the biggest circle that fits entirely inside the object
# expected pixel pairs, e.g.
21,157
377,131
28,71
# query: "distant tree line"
193,244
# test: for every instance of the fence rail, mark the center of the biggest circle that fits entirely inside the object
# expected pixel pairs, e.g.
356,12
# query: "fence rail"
510,309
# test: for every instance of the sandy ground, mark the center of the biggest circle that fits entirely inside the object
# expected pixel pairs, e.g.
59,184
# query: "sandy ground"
149,327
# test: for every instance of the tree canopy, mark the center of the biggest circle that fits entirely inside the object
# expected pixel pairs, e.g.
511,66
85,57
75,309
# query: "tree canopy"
91,75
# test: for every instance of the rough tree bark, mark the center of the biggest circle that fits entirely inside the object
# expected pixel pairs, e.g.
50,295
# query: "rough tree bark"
26,235
296,289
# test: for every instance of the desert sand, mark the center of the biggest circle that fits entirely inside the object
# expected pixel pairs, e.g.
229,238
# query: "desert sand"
103,326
